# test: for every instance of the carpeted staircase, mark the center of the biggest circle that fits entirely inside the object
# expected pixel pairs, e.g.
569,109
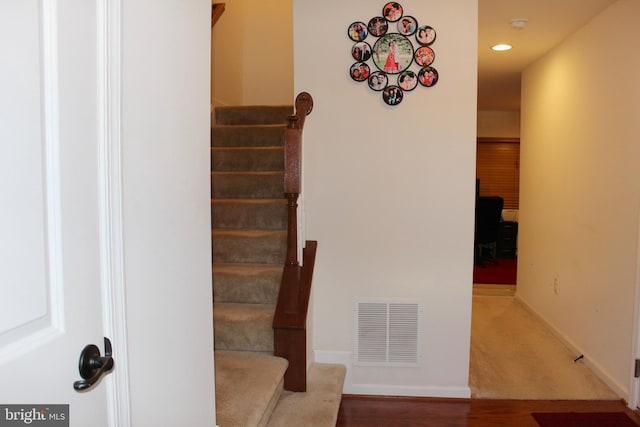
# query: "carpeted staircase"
249,221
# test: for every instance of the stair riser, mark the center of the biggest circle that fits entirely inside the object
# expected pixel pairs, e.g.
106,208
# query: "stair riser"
247,136
229,185
252,338
263,249
248,115
247,330
247,159
254,216
241,288
248,337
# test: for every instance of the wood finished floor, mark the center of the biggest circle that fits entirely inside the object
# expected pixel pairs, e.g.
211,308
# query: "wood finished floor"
373,411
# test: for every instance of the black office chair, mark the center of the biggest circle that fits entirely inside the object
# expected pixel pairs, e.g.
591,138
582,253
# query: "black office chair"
487,227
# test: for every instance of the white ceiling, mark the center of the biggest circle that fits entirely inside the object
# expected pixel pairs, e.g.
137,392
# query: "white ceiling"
549,23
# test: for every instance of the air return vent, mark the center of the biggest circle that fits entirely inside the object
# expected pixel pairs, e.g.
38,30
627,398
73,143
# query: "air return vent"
387,333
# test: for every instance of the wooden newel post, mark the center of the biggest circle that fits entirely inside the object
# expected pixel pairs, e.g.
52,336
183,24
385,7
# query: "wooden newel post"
292,184
292,230
292,156
289,323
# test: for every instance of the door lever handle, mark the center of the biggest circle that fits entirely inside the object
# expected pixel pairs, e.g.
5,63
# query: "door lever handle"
92,366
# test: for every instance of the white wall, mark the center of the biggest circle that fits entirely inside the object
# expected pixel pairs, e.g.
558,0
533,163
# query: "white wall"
499,123
580,190
252,47
166,211
389,192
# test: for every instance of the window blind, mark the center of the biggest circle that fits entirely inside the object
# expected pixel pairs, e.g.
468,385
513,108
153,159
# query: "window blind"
498,168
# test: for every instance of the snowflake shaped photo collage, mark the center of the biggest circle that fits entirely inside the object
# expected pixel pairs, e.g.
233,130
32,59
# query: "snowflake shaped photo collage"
393,53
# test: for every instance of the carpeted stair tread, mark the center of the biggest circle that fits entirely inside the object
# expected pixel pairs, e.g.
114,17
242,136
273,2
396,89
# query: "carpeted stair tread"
247,185
318,406
248,386
252,114
258,214
249,246
247,159
247,135
248,283
243,327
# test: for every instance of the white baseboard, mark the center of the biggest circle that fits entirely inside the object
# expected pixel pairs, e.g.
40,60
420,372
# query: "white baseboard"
594,366
345,358
408,391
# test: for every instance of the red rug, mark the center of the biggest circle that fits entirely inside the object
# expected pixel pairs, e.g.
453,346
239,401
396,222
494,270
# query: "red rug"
502,274
583,419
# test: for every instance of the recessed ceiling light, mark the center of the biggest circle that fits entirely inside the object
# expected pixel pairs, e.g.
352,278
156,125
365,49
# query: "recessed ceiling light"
501,47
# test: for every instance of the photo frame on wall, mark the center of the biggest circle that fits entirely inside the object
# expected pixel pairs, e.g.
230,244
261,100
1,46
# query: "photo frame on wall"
360,71
408,80
394,53
428,76
357,31
361,51
392,11
424,56
378,26
407,25
392,95
378,81
425,35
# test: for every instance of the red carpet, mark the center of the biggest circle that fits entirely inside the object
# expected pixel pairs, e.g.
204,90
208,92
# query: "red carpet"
502,274
583,419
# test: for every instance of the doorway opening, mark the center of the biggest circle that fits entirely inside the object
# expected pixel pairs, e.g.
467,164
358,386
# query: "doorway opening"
497,206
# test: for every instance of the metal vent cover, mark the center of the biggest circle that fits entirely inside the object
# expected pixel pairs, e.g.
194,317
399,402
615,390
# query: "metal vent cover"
387,333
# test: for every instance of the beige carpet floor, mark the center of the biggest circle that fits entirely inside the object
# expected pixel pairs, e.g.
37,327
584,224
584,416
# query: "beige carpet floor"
515,356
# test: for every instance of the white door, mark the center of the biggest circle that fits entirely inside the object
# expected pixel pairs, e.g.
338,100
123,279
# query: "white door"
51,302
104,219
